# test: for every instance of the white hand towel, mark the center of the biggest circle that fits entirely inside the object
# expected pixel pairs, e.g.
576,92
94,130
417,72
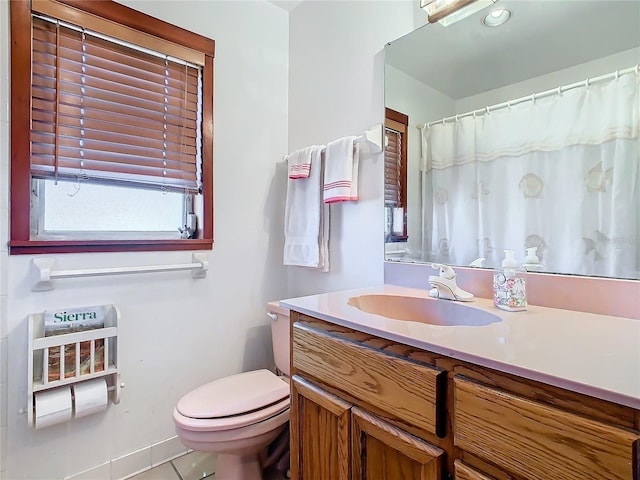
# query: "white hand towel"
305,226
300,163
341,171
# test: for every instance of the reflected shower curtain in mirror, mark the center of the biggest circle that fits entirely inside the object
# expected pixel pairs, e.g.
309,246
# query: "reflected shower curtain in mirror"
560,173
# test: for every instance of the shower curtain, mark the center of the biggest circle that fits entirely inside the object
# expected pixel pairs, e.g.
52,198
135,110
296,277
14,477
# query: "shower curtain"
561,173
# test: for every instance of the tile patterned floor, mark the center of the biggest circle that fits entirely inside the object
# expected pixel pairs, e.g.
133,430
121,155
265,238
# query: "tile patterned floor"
192,466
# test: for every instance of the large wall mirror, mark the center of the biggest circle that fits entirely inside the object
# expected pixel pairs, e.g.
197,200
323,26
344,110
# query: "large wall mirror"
519,135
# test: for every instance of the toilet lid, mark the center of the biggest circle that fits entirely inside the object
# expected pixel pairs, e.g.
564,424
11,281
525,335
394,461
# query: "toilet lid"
234,395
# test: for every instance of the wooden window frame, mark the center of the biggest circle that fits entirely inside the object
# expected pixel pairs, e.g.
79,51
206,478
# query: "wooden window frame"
21,32
394,117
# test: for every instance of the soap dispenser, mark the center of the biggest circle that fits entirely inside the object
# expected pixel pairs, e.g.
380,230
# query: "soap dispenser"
531,261
508,287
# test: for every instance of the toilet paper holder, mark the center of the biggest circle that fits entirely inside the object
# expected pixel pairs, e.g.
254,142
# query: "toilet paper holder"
67,359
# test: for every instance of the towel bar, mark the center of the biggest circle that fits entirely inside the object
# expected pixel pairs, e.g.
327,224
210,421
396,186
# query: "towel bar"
374,137
42,274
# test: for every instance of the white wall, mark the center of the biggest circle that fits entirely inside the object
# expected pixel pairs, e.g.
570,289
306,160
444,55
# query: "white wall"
176,333
4,223
421,103
336,89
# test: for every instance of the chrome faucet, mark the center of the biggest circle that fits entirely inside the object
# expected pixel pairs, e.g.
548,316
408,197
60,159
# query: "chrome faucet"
444,285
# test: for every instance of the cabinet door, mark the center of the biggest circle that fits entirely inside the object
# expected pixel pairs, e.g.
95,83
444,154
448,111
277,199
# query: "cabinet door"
383,452
320,433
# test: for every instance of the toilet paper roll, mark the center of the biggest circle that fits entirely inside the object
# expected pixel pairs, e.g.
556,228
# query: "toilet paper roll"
90,397
52,407
398,221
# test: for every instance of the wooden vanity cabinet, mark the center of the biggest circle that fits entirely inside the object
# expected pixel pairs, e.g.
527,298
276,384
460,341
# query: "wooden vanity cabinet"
344,398
333,439
368,408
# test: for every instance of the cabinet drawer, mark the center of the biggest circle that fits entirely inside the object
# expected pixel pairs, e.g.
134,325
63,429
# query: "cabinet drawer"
537,441
465,472
404,389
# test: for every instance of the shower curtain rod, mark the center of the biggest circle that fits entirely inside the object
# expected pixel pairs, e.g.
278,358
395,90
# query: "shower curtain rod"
535,96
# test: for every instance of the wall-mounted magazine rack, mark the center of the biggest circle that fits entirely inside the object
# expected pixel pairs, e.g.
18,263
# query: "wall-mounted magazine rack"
70,358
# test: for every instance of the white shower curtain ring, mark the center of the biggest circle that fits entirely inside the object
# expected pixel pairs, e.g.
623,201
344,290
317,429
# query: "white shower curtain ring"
487,109
638,69
559,91
456,117
508,103
587,82
617,74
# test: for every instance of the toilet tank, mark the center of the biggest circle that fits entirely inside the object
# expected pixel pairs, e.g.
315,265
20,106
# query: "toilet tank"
280,336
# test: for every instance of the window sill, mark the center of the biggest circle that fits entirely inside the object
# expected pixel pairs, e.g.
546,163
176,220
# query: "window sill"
396,238
31,247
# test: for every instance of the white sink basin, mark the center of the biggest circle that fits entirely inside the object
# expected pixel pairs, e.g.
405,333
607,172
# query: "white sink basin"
423,310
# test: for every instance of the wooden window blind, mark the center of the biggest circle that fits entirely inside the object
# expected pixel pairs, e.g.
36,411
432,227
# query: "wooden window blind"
395,167
104,93
107,112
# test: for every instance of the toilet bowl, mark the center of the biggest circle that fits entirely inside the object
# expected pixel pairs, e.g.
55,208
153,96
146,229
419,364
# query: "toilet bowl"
238,416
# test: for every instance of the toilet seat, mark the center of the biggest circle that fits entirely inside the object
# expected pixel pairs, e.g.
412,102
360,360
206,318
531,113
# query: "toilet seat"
223,441
234,395
233,402
231,422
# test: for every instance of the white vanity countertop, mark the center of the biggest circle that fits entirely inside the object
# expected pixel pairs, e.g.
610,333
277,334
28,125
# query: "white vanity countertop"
597,355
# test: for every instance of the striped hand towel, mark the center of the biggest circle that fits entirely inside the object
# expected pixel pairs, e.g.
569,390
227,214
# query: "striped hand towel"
341,171
300,162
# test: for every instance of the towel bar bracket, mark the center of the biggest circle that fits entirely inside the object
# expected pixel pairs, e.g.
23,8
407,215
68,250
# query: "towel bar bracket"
42,273
375,138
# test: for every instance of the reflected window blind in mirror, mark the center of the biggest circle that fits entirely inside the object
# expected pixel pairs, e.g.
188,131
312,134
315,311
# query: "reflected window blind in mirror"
395,174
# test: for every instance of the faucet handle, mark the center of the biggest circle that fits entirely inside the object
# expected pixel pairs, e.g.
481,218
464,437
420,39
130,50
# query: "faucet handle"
444,286
478,262
445,270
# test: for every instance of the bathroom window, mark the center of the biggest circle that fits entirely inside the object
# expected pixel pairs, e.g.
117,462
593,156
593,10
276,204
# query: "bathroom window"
395,176
111,141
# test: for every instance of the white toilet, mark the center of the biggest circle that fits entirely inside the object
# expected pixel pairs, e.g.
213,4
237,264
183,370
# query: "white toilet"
238,416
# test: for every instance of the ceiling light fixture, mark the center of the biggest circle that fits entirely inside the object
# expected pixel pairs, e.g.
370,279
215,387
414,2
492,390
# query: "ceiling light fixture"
447,12
497,17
